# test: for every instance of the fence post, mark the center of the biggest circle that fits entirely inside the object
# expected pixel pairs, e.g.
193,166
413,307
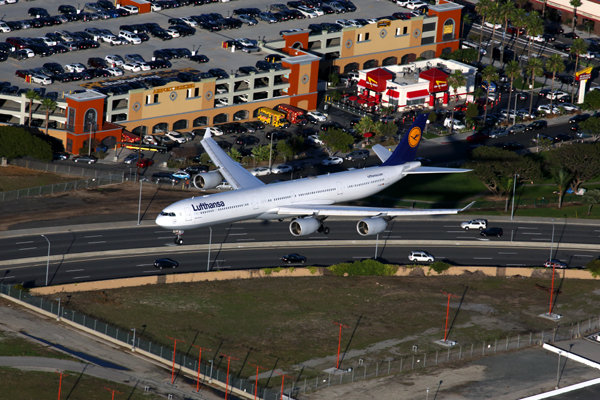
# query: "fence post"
483,349
413,361
117,335
84,320
425,361
365,375
95,321
341,376
389,365
161,350
448,354
507,343
554,336
376,369
530,338
471,349
518,341
459,354
436,357
542,342
106,329
352,376
304,385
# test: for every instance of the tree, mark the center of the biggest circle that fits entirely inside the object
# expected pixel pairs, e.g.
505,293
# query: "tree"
534,68
17,142
31,95
472,111
365,125
489,74
386,128
482,9
334,79
591,197
455,80
285,149
562,178
204,158
591,126
578,48
336,140
518,19
582,160
556,65
494,16
575,4
535,26
496,168
48,105
506,11
234,154
466,19
261,153
512,70
468,55
521,3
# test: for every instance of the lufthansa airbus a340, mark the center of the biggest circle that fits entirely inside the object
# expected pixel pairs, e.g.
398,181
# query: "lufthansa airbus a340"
308,201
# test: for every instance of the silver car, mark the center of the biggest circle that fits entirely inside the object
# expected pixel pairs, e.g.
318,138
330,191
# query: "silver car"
498,133
248,20
517,129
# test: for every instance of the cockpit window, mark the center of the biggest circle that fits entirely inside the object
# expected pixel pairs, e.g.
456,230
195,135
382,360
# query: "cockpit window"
167,214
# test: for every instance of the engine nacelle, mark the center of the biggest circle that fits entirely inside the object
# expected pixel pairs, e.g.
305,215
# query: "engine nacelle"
371,226
304,226
208,180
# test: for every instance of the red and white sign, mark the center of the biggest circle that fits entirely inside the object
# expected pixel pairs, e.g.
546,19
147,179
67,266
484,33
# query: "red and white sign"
438,80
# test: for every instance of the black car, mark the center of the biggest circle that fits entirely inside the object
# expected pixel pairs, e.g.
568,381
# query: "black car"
97,62
37,12
544,92
219,73
535,125
40,50
196,169
331,125
63,77
209,26
164,177
85,159
579,118
512,146
184,52
161,54
60,156
183,30
302,165
554,30
277,135
159,64
492,232
562,47
562,137
165,263
199,58
548,37
293,259
571,35
67,9
247,140
161,34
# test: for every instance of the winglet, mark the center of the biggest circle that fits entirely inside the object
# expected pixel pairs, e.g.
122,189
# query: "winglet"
467,206
407,149
207,134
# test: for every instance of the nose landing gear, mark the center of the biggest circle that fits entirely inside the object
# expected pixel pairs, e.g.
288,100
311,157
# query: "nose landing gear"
178,239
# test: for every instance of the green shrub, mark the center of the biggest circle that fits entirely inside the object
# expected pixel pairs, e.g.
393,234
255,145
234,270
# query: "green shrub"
291,269
593,267
20,287
439,267
267,271
278,269
313,270
363,268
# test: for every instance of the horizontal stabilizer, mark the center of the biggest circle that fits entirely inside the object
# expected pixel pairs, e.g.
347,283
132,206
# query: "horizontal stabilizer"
436,170
382,152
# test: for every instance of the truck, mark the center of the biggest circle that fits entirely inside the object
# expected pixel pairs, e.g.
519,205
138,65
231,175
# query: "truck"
294,114
273,118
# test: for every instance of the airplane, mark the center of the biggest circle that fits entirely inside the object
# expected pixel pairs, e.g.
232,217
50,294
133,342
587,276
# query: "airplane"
308,201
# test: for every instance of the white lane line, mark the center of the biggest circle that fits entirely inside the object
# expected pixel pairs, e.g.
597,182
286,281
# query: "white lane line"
394,237
102,241
482,258
7,277
387,231
31,241
166,237
92,236
455,231
361,257
531,233
597,231
160,231
319,237
74,270
483,239
501,252
581,255
467,237
233,228
81,277
546,240
449,226
515,265
29,248
242,240
525,227
143,265
154,270
237,234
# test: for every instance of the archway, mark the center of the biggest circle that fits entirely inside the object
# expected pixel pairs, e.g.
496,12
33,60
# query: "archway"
447,50
255,113
240,115
140,130
160,127
181,124
200,121
428,54
109,141
448,30
408,58
352,67
370,64
221,118
390,61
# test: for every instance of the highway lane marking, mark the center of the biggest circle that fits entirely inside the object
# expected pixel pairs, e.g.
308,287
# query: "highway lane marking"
81,277
455,231
531,233
102,241
92,236
74,270
29,248
482,258
31,241
237,234
149,271
143,265
449,226
500,252
7,277
241,240
524,227
394,237
160,231
483,239
581,255
166,237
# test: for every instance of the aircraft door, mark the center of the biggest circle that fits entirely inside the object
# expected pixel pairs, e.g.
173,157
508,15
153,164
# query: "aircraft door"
387,179
340,188
255,202
188,213
293,197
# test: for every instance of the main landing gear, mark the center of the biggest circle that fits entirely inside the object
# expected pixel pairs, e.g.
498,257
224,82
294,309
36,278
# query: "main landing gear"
178,239
323,229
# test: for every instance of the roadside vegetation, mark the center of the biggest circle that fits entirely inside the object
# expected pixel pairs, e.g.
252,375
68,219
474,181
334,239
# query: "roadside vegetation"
13,346
14,178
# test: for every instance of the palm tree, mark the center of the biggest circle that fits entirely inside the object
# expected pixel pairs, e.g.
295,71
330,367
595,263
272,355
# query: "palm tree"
562,178
455,80
575,4
31,95
533,68
494,16
535,26
488,74
578,48
506,11
466,19
556,65
521,3
512,70
482,9
48,105
591,197
518,18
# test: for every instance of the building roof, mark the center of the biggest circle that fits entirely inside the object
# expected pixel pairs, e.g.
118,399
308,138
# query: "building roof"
445,7
304,59
381,74
85,96
432,74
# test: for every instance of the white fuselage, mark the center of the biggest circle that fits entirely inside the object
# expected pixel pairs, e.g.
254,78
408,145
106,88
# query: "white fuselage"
262,202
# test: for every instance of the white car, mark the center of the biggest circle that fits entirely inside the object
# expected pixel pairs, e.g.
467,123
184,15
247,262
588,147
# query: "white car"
41,79
411,5
491,25
144,66
155,7
556,94
75,67
189,21
537,38
372,20
112,40
281,169
402,3
215,130
173,33
30,53
545,108
480,224
524,113
332,161
344,23
261,171
114,59
420,256
315,139
319,116
48,41
456,124
131,9
308,12
246,42
570,107
589,55
224,186
115,71
498,133
175,136
132,67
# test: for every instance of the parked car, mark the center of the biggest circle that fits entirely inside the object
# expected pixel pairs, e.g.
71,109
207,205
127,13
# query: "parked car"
85,159
357,155
281,169
164,177
261,171
332,161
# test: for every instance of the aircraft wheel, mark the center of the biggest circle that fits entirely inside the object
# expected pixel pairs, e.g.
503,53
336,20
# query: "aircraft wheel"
326,231
178,241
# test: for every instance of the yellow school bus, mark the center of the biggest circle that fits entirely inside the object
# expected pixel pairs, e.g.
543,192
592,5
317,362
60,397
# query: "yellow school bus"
273,118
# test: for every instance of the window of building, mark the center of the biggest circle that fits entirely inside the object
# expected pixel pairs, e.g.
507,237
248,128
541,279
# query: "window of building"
405,30
70,145
363,37
415,102
160,127
89,120
427,40
221,118
448,30
429,27
181,124
200,121
70,119
194,92
240,115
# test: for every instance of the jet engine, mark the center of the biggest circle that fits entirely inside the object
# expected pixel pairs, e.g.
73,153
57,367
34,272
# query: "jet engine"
304,226
208,180
371,226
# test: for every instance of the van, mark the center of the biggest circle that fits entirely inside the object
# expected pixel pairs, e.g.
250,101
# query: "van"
353,76
131,37
357,155
420,256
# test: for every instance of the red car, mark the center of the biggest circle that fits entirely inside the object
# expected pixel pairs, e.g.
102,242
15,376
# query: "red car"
461,107
145,163
477,137
514,30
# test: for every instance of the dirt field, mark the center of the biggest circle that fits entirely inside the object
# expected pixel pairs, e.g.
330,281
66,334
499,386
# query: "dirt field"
13,178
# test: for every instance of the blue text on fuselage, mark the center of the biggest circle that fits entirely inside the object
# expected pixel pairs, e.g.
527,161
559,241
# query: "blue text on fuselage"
207,206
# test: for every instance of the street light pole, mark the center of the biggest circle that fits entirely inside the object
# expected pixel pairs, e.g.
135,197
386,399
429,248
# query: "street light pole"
553,270
48,261
140,204
58,313
271,150
558,370
208,261
512,213
133,348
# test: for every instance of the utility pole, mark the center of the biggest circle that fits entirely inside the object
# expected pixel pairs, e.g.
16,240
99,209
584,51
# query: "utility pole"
337,362
60,382
228,363
256,382
283,376
199,362
174,352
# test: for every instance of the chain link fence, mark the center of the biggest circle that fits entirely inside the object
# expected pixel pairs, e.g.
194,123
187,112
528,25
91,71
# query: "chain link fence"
351,371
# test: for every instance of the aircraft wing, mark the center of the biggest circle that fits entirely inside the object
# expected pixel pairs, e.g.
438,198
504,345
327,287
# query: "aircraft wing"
436,170
233,172
349,211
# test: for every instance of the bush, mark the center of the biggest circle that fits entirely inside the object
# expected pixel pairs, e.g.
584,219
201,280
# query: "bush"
593,267
101,155
363,268
267,271
17,142
439,266
313,270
